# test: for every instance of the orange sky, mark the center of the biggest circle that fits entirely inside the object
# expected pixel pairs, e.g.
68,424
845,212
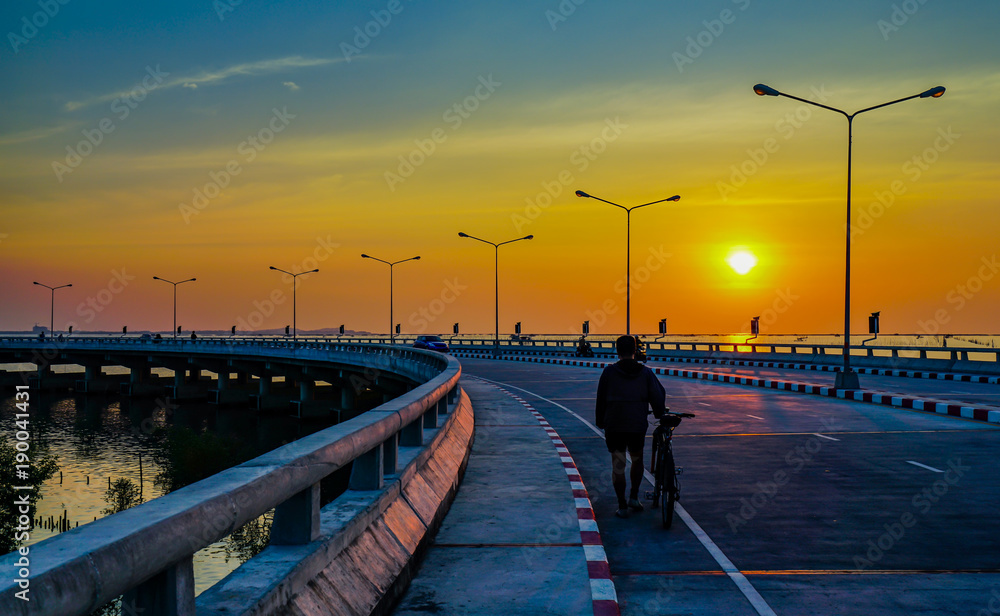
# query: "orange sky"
548,120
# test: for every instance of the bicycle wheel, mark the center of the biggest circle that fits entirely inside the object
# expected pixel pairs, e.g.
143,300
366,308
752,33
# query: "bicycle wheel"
655,470
669,486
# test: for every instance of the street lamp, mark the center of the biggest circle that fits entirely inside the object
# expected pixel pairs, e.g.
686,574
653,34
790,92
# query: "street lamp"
847,379
417,258
496,267
175,297
294,286
52,304
628,250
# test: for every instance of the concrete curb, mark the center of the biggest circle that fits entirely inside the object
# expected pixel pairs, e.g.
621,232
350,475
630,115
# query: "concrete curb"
979,413
602,588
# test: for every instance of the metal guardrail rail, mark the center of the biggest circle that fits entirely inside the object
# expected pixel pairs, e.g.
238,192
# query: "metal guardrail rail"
145,553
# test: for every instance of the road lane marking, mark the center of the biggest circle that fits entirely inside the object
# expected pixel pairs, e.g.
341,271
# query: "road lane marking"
748,590
704,404
930,468
755,417
829,438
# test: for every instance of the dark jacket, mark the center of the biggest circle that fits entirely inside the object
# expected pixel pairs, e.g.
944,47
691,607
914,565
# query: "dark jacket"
624,394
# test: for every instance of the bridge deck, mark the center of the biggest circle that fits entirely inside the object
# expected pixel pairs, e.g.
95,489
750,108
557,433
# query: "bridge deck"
820,505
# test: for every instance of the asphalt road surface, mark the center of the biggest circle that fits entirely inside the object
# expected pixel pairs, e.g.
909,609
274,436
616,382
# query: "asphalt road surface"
792,504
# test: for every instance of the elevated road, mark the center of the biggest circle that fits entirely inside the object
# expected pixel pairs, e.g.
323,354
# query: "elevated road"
792,504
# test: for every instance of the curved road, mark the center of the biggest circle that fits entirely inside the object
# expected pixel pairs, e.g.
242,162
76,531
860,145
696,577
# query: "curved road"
822,506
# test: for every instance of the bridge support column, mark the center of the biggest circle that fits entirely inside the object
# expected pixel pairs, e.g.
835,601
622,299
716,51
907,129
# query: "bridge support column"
242,378
138,374
296,521
169,593
264,384
178,381
222,380
194,375
347,398
91,372
366,472
307,390
431,416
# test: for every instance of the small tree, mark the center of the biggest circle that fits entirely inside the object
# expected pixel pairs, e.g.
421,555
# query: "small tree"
123,494
40,468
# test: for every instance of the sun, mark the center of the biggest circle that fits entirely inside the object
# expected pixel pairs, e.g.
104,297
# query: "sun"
741,260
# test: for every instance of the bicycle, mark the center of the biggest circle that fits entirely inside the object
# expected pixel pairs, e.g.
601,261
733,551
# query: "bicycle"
666,486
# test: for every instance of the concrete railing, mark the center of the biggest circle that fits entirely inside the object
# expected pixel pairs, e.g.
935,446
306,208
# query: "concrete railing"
145,553
976,360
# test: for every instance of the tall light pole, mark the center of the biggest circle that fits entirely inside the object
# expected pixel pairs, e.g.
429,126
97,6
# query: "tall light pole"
52,304
496,267
294,286
628,250
391,327
175,297
847,378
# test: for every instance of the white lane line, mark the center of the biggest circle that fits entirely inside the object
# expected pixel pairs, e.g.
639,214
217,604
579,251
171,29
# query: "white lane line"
829,438
755,417
741,581
704,404
930,468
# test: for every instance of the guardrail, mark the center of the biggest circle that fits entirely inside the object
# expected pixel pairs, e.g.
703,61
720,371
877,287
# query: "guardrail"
145,553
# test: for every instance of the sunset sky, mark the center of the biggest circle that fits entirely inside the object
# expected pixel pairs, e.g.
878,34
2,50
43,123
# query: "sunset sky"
215,139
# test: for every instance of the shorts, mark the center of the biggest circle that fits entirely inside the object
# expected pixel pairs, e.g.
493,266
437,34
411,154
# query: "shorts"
620,441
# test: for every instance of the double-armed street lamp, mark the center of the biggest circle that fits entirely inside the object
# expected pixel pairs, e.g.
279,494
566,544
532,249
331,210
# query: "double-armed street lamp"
847,378
496,267
294,286
175,296
628,250
390,264
52,304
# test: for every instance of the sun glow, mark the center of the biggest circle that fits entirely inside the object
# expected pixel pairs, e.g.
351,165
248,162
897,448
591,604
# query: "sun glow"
741,260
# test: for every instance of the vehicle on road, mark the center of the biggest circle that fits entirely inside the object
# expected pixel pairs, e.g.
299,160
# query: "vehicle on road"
583,348
666,485
431,343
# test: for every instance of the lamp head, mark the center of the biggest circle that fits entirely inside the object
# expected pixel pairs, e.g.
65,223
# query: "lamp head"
674,198
416,258
460,234
364,256
528,237
313,271
934,92
763,90
272,267
154,278
38,283
580,193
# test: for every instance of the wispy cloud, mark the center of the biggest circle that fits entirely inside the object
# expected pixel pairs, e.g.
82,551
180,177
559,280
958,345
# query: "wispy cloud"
291,85
206,78
34,134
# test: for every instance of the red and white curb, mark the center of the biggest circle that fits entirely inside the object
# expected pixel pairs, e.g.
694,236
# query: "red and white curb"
979,413
602,588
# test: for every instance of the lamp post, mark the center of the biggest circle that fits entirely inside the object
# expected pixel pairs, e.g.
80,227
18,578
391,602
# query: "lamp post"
175,297
847,378
628,250
294,287
496,267
52,304
390,264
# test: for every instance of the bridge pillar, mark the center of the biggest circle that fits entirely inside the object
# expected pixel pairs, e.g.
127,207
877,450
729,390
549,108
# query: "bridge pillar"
264,384
390,455
138,374
222,380
91,372
242,378
169,593
194,375
307,389
296,521
178,380
347,398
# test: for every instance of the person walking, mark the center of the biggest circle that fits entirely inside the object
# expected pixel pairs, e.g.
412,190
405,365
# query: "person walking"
625,393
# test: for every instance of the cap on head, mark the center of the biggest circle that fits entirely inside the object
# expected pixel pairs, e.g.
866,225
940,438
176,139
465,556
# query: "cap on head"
625,345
